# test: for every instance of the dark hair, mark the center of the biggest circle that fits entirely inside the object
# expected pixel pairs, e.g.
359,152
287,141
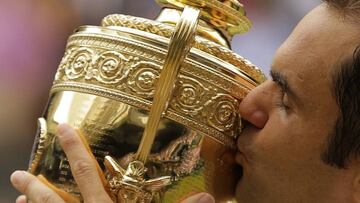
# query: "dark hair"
344,144
348,7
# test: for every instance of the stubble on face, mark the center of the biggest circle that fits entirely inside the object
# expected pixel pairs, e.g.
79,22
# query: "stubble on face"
282,161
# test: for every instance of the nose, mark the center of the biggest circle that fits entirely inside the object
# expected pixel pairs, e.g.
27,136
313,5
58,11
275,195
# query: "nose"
255,106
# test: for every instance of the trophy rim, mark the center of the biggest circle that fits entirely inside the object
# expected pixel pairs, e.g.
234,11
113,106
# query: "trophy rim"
235,64
165,30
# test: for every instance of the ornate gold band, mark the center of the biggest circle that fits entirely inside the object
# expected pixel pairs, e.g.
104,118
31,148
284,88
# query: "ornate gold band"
126,66
164,30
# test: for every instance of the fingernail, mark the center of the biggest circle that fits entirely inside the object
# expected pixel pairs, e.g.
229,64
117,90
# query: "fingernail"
63,128
17,177
206,198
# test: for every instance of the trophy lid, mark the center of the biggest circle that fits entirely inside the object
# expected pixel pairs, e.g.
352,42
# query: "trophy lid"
227,16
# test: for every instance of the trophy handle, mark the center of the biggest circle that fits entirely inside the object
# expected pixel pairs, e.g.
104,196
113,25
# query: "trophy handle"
181,41
130,184
39,145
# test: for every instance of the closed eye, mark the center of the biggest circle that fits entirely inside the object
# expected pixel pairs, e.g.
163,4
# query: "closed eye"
282,81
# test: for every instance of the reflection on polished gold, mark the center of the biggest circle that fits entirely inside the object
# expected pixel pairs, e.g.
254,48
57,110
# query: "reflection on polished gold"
130,185
227,16
156,100
40,143
182,39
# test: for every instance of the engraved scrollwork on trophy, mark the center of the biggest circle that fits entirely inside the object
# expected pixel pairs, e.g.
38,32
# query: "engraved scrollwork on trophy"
200,43
221,112
143,77
78,63
108,68
189,96
62,65
137,75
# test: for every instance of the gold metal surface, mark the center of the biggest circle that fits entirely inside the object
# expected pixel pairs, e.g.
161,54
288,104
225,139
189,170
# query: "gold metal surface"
182,39
228,16
194,160
171,16
206,86
220,49
159,112
40,144
130,185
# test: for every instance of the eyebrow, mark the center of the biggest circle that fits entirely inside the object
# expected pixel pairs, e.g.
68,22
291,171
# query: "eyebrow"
282,81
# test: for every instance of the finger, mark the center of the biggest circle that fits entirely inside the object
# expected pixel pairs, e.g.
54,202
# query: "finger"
199,198
21,199
82,165
34,190
88,149
68,198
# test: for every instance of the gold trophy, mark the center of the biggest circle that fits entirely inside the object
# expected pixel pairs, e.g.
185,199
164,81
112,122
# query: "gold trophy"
157,101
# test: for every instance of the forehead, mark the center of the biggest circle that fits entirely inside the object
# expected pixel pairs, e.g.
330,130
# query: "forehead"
322,37
317,46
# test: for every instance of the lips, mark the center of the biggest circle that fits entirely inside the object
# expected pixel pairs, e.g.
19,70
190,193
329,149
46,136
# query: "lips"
240,158
243,143
240,142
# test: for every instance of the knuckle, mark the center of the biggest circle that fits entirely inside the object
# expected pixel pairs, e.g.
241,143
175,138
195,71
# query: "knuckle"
46,197
27,185
68,141
82,168
100,198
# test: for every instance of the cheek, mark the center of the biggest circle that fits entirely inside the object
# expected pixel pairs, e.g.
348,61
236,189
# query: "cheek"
283,142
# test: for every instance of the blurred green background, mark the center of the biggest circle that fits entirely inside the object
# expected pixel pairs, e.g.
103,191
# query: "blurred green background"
33,36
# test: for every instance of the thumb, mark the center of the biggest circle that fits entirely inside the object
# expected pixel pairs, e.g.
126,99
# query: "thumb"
199,198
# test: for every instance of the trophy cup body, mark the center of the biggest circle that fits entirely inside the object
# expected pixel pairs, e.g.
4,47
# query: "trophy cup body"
107,85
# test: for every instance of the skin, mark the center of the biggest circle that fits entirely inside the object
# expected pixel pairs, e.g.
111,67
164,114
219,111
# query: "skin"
280,150
85,171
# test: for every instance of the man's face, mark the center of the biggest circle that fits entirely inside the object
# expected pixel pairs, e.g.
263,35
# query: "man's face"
293,114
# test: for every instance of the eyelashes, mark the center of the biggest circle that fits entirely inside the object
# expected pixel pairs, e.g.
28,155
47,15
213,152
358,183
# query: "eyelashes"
279,100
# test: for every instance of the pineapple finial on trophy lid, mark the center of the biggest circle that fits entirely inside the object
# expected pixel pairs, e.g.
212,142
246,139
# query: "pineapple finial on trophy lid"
220,19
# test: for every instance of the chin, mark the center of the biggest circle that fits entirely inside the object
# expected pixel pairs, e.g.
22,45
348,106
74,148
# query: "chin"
238,188
244,191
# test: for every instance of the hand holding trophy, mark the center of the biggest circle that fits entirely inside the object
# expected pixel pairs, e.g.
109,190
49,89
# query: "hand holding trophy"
87,173
155,102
